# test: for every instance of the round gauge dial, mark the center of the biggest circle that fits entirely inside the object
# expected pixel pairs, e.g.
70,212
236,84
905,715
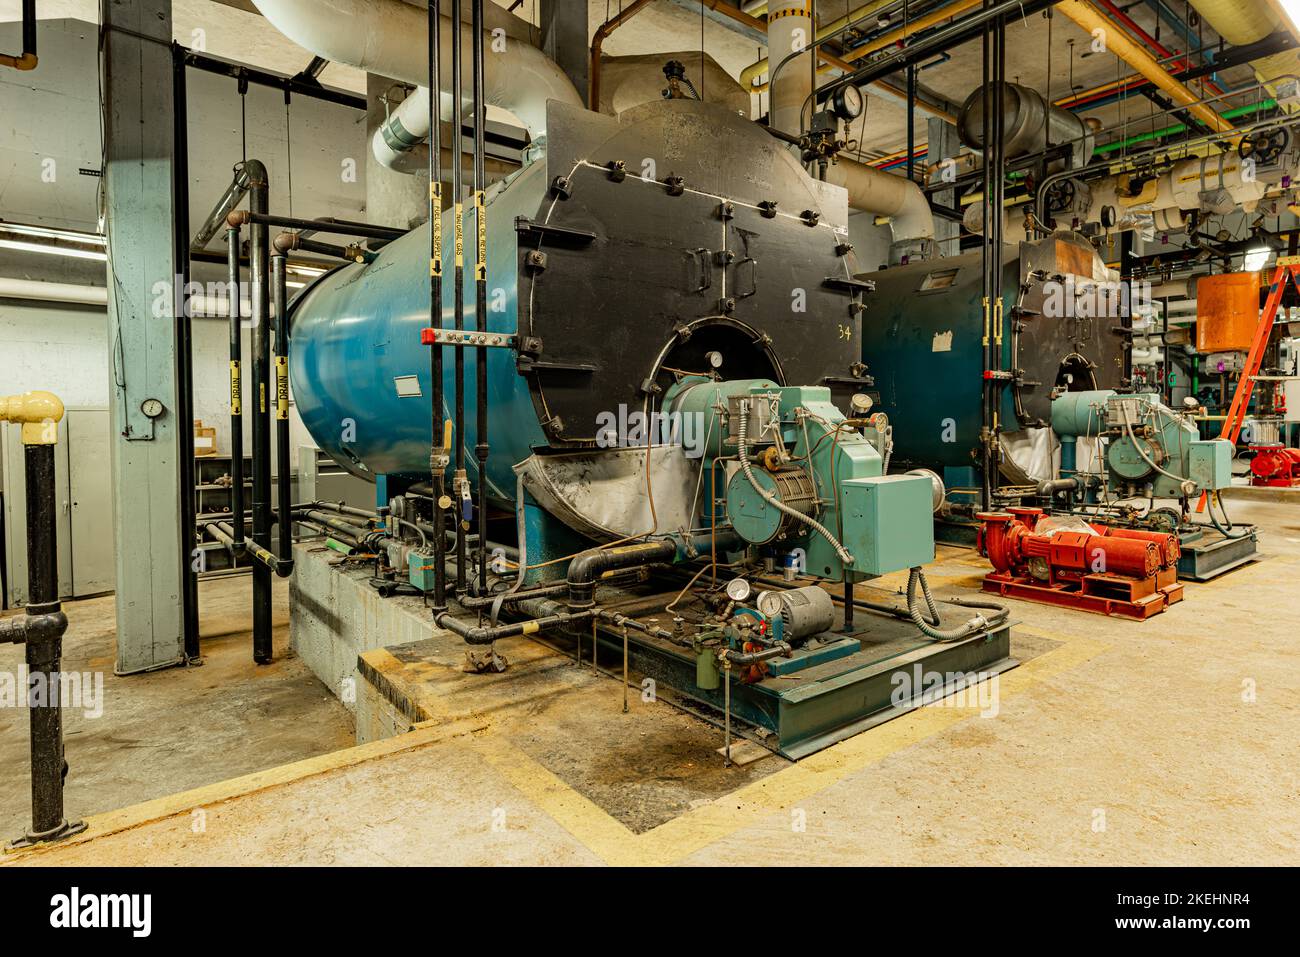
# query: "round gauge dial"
152,408
738,589
849,102
769,603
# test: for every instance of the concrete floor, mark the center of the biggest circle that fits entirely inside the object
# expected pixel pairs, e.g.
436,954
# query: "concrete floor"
1172,741
180,728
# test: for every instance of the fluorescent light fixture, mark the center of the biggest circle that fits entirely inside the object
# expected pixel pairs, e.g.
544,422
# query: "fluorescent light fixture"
1257,257
47,232
302,270
53,250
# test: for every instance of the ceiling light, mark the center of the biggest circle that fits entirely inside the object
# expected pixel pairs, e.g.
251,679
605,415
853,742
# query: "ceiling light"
53,250
1257,257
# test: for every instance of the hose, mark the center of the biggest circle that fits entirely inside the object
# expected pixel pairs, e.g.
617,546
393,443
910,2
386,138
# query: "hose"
1213,499
742,441
931,627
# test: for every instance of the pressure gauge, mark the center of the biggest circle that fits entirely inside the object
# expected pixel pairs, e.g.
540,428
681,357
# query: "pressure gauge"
770,604
860,404
152,408
714,359
848,102
738,589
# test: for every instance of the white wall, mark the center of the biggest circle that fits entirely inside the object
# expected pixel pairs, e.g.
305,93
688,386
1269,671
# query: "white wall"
62,348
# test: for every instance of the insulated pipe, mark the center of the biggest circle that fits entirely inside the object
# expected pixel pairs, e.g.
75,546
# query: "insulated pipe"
39,291
236,389
375,36
1118,42
790,29
886,194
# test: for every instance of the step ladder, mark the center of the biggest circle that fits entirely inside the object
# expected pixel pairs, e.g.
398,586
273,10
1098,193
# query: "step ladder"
1287,271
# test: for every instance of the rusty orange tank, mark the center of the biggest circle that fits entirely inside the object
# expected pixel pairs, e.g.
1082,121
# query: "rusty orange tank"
1227,311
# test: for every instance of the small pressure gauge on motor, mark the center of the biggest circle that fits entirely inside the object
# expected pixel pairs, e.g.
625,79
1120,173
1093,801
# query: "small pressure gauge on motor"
860,404
848,102
769,603
738,589
152,408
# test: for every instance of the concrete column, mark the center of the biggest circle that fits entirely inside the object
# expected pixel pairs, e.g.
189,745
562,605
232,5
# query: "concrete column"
142,333
566,39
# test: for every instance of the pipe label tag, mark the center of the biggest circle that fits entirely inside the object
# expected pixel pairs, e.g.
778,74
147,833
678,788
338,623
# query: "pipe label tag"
460,236
435,261
480,223
282,387
236,396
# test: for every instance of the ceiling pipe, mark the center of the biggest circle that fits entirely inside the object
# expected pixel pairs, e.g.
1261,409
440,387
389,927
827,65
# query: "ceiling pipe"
750,74
1118,42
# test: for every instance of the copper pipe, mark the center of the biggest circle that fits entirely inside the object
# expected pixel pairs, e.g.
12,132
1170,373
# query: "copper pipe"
597,41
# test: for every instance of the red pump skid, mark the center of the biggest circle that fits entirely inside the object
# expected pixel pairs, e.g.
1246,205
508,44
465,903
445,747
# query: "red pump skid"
1112,571
1275,465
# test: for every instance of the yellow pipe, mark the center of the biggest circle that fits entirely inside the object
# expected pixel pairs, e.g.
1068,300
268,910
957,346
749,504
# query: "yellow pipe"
907,29
1117,42
759,67
38,413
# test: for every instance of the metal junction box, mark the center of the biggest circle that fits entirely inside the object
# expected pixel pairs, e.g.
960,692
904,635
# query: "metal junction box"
888,522
1209,463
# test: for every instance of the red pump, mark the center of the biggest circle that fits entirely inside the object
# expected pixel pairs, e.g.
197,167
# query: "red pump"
1063,560
1275,465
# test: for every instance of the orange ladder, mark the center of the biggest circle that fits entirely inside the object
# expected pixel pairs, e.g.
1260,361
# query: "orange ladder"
1288,269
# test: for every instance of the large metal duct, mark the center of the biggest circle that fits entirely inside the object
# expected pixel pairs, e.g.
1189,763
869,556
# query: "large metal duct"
1031,124
380,36
871,190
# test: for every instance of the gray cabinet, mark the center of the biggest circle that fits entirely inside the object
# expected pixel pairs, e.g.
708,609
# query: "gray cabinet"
85,499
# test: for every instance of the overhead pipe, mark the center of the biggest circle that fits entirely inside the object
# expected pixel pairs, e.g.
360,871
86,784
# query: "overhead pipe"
1118,42
871,190
598,39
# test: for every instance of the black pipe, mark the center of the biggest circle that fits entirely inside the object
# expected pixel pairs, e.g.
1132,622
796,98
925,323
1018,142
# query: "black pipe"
942,40
480,289
283,488
260,544
587,567
42,631
219,217
291,240
289,84
327,226
460,483
186,470
437,446
487,634
26,60
236,387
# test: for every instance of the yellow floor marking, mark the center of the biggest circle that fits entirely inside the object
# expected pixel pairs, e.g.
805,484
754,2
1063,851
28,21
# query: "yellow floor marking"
590,824
704,825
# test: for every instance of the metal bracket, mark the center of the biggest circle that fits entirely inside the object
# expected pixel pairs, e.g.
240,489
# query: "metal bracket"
559,235
468,337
